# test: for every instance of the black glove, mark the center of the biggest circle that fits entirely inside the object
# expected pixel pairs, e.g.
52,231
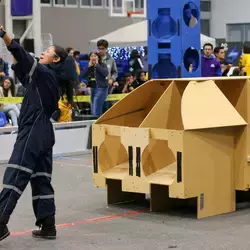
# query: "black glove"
2,33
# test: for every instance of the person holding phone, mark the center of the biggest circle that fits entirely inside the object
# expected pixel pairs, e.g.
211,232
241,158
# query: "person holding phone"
31,158
97,77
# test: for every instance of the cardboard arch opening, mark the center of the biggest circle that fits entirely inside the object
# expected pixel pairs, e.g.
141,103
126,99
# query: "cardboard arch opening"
156,156
113,158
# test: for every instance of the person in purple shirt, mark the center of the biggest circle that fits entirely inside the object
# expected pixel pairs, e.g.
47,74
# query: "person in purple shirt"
210,66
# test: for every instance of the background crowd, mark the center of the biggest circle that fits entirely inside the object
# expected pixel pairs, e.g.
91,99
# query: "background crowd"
97,75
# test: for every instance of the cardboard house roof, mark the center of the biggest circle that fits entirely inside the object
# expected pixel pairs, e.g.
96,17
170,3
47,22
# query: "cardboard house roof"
179,104
203,105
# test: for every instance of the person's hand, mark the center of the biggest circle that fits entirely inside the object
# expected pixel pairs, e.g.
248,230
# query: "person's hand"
93,62
90,63
2,74
110,81
97,60
82,84
3,34
130,88
115,84
2,31
14,60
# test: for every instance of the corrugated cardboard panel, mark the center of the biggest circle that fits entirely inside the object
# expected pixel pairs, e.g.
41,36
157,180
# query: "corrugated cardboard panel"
236,91
141,99
166,114
205,106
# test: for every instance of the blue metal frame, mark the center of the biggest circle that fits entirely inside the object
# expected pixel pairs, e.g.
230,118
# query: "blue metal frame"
179,40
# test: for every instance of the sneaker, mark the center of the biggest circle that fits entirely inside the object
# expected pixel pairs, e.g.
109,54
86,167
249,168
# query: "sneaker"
45,233
4,232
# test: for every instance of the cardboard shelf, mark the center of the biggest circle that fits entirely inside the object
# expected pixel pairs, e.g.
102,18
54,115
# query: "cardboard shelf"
165,176
118,172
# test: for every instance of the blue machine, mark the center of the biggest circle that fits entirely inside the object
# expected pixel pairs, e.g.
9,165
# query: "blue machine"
173,38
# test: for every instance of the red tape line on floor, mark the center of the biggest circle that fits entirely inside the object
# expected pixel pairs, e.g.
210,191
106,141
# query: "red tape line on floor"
105,218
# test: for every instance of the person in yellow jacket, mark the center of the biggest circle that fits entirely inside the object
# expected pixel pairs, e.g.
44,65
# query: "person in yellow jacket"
65,110
64,105
245,58
67,76
245,62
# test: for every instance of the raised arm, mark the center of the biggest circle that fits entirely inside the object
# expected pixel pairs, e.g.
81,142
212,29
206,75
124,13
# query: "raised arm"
85,72
102,69
21,56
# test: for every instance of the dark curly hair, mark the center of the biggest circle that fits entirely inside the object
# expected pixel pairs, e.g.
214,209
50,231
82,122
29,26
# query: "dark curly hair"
103,43
65,72
12,87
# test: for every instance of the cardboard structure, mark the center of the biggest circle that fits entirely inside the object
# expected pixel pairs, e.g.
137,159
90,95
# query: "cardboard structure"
177,140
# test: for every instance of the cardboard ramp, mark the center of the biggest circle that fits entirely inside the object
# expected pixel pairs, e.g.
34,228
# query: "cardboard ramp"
176,139
166,113
133,108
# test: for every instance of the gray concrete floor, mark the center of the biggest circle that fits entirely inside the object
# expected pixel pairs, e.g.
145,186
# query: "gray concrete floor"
87,223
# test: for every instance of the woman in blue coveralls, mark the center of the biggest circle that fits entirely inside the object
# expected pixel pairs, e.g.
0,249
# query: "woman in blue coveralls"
31,159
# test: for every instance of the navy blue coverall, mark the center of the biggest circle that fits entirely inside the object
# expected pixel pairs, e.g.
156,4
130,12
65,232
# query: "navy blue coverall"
31,159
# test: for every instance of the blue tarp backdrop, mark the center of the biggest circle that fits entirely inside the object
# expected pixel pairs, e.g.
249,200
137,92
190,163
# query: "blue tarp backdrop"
21,7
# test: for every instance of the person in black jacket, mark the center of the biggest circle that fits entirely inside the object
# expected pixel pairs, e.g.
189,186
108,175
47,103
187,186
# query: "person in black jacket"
4,69
97,76
31,159
135,63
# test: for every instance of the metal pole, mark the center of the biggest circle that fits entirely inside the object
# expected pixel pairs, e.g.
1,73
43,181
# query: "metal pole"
30,35
26,32
8,25
37,27
8,17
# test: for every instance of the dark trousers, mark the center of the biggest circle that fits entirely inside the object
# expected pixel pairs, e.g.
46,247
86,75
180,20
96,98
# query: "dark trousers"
31,161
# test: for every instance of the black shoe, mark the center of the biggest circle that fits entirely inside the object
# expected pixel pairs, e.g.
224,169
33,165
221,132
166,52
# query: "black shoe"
47,228
45,233
4,232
